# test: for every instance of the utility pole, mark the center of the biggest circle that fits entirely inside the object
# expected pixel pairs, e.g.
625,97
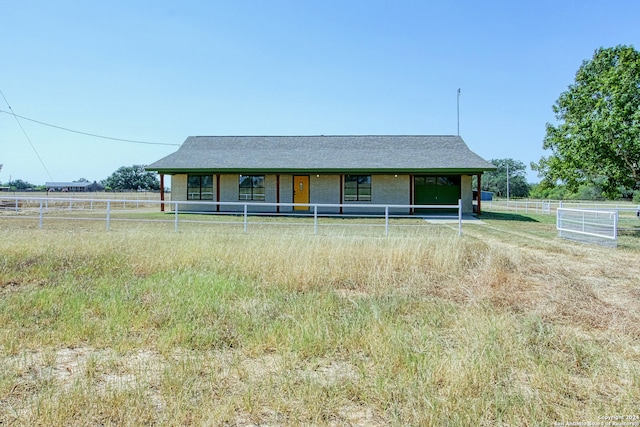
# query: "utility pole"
458,109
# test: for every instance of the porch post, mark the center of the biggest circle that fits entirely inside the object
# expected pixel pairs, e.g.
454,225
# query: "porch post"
217,192
412,182
161,192
341,192
479,194
278,193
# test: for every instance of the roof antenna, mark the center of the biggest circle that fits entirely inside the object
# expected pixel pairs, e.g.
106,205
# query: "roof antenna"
458,111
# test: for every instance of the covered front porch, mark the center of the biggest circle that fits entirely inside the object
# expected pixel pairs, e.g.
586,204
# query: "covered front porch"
331,193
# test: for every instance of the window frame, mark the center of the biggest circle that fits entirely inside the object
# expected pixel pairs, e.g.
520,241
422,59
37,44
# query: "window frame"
198,195
363,188
252,195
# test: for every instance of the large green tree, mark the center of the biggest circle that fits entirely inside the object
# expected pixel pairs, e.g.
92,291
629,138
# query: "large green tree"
496,180
132,178
597,135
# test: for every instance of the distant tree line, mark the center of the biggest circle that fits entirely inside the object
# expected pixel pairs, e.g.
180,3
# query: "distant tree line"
19,185
496,182
126,178
585,191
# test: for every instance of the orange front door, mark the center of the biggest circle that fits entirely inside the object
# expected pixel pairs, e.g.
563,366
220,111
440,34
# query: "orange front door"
301,192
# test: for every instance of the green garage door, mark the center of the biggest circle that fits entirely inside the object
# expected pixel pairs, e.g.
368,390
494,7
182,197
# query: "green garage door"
436,190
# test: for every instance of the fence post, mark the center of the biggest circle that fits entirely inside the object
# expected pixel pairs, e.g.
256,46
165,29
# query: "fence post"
315,219
386,220
40,225
175,226
459,217
108,214
245,217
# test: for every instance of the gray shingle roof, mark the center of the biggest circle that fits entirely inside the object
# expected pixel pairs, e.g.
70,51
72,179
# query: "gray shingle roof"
66,184
323,153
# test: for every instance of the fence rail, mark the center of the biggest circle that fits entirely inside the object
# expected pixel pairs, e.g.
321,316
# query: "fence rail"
62,208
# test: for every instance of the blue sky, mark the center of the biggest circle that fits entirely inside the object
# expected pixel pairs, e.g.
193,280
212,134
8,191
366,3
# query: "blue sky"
159,71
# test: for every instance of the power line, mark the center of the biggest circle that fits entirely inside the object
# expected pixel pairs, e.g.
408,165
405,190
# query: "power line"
26,136
85,133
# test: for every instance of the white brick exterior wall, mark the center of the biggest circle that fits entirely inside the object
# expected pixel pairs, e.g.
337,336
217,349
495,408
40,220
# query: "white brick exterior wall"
325,189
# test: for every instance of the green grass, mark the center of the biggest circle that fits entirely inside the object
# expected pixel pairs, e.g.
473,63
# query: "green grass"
507,325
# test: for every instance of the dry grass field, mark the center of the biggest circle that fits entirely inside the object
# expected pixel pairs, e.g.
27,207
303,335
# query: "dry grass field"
506,325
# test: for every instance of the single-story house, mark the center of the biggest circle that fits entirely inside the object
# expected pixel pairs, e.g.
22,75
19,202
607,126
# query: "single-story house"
73,187
348,170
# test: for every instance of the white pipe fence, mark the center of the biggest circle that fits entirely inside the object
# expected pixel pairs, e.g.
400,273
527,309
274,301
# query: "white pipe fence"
592,226
45,207
549,207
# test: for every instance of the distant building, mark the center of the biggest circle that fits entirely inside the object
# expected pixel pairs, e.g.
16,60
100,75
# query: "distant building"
485,195
72,187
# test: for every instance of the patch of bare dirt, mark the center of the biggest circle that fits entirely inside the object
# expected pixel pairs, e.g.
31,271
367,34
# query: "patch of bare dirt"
65,368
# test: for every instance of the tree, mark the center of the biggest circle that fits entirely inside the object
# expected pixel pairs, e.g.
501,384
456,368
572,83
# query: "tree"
496,180
95,187
20,185
597,139
132,178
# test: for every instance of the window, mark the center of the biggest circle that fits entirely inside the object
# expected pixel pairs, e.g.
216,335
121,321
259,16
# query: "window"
449,180
357,188
437,180
426,180
200,187
251,187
